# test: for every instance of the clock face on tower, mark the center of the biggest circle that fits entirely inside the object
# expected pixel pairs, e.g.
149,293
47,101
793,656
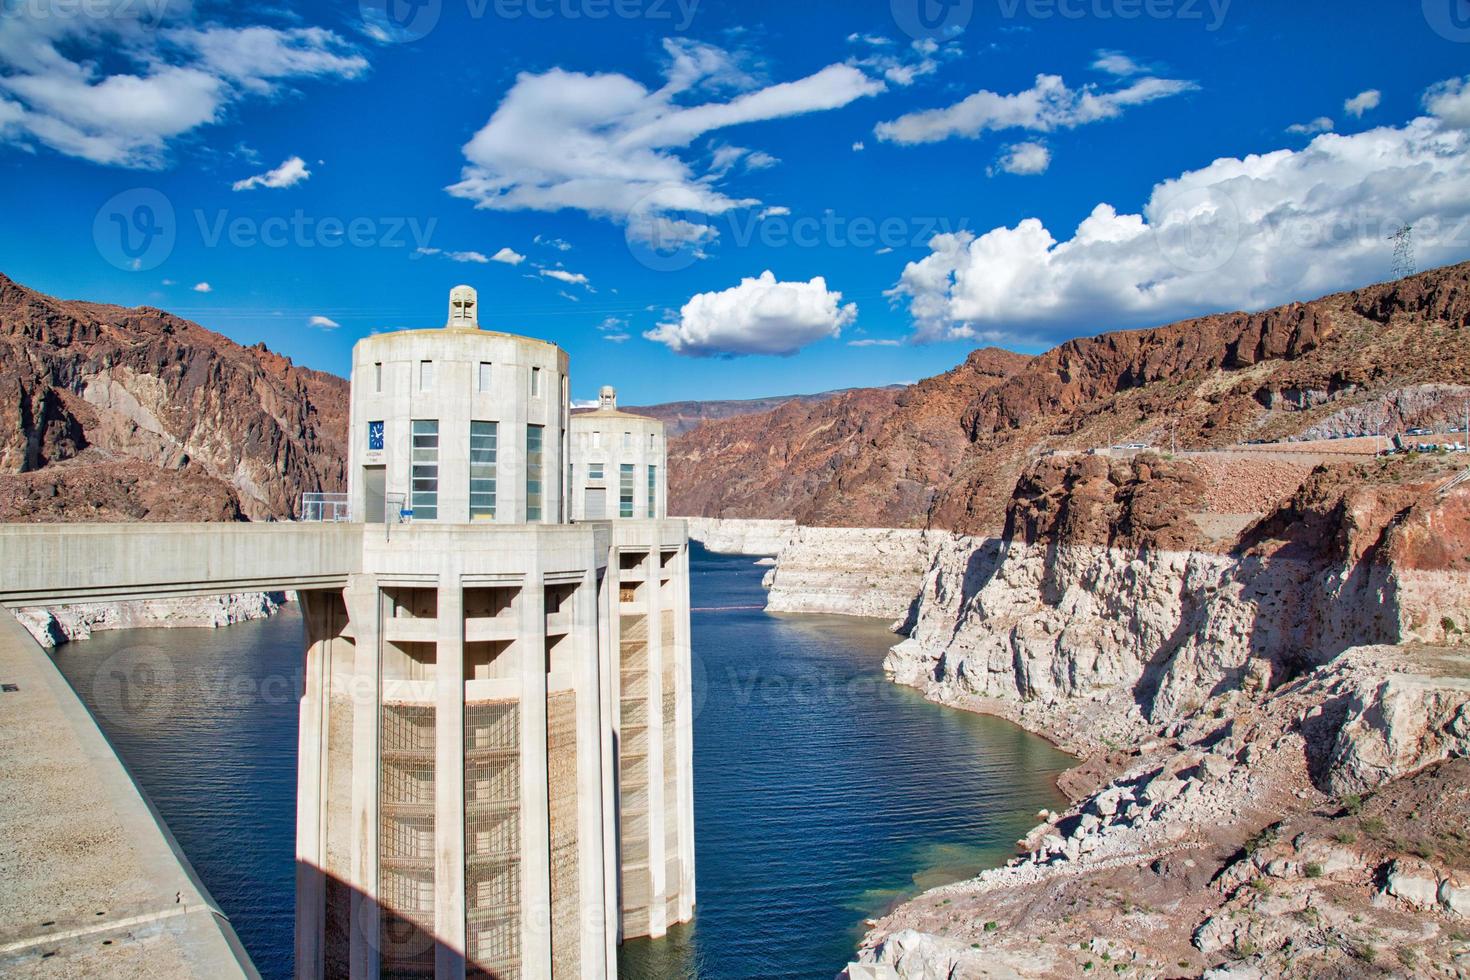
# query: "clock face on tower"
375,436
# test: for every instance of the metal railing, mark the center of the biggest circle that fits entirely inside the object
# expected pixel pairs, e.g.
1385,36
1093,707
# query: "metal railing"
328,508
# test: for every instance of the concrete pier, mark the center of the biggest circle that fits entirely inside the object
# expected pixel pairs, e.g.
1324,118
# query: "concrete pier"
93,883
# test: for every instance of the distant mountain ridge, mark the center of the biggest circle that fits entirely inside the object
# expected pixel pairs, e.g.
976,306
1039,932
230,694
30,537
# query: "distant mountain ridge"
680,417
108,413
946,452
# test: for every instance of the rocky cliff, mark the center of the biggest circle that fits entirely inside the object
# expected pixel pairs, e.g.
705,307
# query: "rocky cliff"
54,625
1266,717
946,453
109,413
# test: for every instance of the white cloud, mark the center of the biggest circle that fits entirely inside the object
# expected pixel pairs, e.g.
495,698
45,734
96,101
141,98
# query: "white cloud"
614,330
161,80
1450,101
479,258
885,250
1238,234
562,275
291,172
203,287
606,145
873,342
509,256
1117,63
556,243
1363,102
859,146
1047,106
759,316
1024,159
1321,124
775,211
323,323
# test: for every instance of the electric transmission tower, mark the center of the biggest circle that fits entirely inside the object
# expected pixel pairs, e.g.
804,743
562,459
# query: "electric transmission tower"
1403,252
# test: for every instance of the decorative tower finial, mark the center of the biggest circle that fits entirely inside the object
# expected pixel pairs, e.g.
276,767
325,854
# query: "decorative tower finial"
464,309
607,398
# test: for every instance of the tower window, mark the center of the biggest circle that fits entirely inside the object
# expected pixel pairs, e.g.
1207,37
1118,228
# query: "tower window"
378,377
483,439
535,382
426,375
652,491
594,471
425,469
535,434
483,383
625,490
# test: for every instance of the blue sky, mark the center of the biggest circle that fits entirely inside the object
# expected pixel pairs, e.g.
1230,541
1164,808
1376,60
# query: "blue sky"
1084,164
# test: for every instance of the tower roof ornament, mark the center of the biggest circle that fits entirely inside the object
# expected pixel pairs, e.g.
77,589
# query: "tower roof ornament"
464,309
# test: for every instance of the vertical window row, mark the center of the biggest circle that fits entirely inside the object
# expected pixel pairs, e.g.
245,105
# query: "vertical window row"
652,491
484,437
625,490
425,469
534,436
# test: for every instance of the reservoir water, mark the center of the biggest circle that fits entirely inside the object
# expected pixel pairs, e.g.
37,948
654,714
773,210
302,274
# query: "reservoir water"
823,793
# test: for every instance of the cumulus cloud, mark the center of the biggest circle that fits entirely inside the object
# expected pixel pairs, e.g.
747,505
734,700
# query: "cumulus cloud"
1240,233
203,287
759,316
1047,106
1117,63
902,66
161,79
1450,102
562,275
323,323
509,256
1024,159
606,145
1319,125
291,172
1363,102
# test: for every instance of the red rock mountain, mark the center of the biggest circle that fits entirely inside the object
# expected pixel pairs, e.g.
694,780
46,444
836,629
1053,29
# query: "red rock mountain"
109,413
948,451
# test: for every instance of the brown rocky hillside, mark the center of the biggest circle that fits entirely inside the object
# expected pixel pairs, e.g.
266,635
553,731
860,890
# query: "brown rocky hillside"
109,413
1380,358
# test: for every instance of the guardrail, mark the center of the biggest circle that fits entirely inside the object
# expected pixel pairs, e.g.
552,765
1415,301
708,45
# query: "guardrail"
328,508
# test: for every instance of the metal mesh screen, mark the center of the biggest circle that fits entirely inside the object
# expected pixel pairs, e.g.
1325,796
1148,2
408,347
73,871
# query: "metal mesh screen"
492,845
561,761
406,840
633,763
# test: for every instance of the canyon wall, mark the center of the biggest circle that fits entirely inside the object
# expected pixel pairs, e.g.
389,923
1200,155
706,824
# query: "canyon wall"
54,625
742,537
1274,724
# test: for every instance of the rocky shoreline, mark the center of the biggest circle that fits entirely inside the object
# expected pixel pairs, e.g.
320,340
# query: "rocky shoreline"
53,626
1274,727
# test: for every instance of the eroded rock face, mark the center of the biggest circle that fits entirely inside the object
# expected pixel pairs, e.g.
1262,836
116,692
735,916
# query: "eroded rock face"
54,625
874,572
1104,600
735,536
101,387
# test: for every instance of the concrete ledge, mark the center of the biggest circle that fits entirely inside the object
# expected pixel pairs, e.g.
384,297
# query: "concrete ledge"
52,564
91,882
